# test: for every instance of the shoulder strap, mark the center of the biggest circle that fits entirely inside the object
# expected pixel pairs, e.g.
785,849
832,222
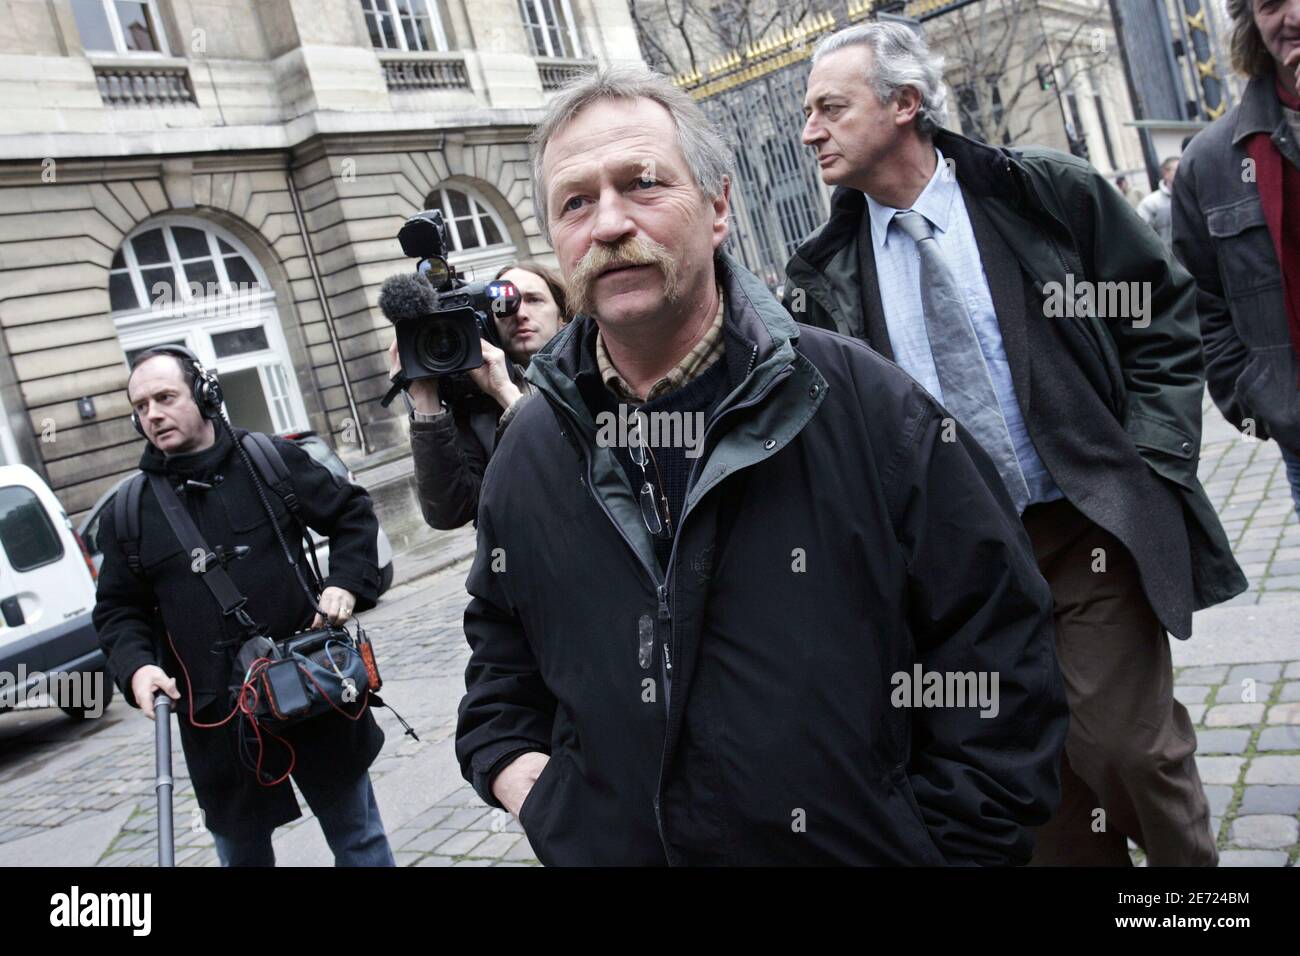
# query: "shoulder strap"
126,518
213,574
270,466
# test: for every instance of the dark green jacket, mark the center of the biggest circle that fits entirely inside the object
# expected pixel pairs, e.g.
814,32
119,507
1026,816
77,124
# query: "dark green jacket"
1110,402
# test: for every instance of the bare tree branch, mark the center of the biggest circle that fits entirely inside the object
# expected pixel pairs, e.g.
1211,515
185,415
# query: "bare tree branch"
688,33
649,41
998,45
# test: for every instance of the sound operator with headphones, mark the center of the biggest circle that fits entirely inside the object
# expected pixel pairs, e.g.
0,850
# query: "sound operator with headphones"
163,627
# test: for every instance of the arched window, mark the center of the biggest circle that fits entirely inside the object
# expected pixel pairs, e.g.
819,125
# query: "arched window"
478,242
471,224
173,264
188,282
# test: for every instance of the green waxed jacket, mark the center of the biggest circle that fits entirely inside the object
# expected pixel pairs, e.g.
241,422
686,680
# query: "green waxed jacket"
1102,395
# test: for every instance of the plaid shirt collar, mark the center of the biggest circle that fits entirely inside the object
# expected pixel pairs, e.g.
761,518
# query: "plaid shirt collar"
706,351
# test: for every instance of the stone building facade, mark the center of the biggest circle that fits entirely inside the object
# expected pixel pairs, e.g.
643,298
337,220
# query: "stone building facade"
231,175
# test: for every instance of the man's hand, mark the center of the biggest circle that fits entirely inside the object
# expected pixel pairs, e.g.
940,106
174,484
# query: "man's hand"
493,376
1292,63
148,679
337,604
513,784
423,391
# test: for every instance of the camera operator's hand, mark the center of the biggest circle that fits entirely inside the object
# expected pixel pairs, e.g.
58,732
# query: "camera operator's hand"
337,603
513,784
423,391
148,679
493,376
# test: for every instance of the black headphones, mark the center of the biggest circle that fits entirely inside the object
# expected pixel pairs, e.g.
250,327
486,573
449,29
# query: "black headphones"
204,385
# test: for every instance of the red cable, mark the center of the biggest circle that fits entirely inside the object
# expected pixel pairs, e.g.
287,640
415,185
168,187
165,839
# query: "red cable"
250,687
249,709
261,751
189,691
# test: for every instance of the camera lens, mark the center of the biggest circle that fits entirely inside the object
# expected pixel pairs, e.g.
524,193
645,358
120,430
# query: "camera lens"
442,346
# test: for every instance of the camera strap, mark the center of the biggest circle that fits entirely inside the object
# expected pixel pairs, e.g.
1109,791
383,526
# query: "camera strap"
400,383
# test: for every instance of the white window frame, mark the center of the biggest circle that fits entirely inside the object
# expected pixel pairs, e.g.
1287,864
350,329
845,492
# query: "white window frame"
435,19
540,9
287,412
119,41
183,302
455,224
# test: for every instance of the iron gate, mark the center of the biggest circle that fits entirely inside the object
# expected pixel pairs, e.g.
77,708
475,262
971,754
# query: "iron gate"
777,197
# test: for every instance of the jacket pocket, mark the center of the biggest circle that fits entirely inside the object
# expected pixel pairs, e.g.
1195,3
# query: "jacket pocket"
1169,451
1247,259
913,819
537,809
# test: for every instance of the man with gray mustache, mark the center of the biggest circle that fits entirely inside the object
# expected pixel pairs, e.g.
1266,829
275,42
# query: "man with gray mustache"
685,658
633,251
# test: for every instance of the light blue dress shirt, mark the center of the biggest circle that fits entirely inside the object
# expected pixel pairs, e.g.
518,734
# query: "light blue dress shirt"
898,266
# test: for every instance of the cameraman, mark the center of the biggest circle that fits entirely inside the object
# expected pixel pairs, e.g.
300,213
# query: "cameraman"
451,445
158,621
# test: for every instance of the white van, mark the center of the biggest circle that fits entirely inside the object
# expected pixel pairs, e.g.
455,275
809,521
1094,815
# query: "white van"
47,594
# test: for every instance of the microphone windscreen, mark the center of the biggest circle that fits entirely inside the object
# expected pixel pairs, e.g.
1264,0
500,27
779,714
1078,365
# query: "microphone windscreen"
406,296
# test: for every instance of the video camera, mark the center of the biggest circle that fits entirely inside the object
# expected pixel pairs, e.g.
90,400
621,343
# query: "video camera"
439,317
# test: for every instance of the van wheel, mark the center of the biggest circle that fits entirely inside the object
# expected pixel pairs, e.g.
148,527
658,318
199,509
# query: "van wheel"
83,713
386,577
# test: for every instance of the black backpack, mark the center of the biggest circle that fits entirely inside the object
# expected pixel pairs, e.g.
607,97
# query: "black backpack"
266,459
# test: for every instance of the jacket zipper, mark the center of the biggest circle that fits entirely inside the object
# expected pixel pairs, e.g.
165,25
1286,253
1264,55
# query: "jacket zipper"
666,661
661,583
665,612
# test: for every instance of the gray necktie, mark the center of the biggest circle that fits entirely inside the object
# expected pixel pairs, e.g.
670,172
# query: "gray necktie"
963,374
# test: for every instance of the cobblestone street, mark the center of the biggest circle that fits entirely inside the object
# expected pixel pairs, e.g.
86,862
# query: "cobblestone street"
82,794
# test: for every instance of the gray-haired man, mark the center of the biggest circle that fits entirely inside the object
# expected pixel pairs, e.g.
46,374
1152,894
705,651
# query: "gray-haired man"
738,651
1025,294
